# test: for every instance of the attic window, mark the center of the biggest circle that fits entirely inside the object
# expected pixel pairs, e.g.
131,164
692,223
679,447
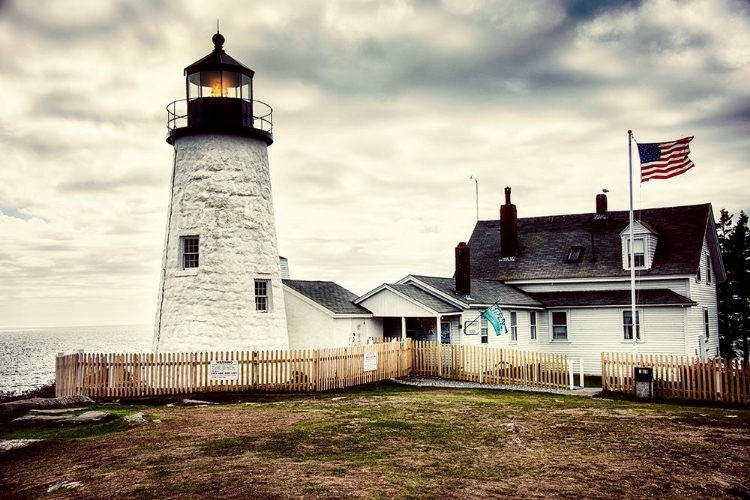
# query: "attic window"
639,253
575,254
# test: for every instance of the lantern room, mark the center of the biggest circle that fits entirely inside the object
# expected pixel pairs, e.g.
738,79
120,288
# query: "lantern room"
219,100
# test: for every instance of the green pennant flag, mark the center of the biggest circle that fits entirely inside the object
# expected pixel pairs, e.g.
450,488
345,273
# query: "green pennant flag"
495,316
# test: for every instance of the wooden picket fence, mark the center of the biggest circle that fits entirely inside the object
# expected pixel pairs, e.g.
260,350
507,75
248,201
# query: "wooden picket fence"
489,365
680,376
130,375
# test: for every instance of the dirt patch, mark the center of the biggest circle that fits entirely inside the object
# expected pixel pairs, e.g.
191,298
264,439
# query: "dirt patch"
388,443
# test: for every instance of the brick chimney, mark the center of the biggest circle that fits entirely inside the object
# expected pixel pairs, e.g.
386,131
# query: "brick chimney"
508,228
463,269
601,204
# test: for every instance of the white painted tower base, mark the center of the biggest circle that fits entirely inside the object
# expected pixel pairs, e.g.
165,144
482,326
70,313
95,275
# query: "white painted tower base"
221,192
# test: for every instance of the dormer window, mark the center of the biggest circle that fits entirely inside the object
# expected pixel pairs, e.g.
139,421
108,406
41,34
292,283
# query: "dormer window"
575,254
638,253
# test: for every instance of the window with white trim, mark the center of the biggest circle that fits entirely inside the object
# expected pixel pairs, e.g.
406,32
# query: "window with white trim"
532,325
262,296
483,331
639,253
189,252
627,325
559,325
706,322
513,326
709,276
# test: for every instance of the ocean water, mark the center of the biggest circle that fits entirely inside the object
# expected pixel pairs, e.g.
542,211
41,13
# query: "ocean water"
27,356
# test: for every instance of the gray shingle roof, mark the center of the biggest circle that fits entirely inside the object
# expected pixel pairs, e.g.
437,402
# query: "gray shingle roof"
328,294
544,244
611,298
485,292
425,298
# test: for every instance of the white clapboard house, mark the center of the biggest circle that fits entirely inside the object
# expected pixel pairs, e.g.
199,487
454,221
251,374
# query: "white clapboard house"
563,283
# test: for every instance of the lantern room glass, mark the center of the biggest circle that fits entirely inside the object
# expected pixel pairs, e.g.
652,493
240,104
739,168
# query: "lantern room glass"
219,84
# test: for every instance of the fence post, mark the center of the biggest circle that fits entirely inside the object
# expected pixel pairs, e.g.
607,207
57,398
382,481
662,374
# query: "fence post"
254,365
580,372
570,374
79,372
59,375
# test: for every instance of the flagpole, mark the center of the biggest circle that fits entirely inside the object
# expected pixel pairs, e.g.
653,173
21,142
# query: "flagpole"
476,185
631,248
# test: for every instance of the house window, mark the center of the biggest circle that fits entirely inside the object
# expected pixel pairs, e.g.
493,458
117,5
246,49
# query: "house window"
483,331
532,325
189,252
639,252
262,297
627,325
514,326
705,322
559,325
698,277
708,269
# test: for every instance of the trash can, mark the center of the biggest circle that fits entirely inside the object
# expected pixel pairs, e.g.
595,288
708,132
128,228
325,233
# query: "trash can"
643,376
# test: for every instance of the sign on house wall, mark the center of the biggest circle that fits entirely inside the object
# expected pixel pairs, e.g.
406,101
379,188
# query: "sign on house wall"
471,328
224,370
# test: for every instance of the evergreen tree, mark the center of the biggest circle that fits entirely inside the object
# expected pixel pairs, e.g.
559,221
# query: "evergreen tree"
734,293
724,293
741,246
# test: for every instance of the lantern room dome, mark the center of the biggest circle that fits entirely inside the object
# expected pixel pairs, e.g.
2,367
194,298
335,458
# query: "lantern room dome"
219,100
219,60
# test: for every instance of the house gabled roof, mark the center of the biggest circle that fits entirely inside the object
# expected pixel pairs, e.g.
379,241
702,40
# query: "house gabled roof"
544,244
425,298
483,292
329,295
612,298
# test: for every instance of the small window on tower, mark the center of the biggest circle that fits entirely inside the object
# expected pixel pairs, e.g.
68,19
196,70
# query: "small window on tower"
575,254
262,297
189,252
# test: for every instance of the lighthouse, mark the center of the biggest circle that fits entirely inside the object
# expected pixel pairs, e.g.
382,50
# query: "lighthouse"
220,283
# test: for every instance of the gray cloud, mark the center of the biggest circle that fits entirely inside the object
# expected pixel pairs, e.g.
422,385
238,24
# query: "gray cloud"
383,111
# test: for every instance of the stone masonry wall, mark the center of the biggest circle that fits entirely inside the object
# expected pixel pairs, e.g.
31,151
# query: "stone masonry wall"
221,193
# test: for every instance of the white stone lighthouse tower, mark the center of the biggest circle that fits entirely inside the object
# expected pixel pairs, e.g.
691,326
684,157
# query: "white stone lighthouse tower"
220,280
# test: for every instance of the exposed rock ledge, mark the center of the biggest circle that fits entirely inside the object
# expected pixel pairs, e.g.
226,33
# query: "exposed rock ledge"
12,444
28,404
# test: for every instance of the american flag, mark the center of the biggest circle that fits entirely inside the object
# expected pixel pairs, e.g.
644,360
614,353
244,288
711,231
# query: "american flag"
662,160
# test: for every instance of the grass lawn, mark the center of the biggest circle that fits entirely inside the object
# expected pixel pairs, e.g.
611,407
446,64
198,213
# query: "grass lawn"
387,441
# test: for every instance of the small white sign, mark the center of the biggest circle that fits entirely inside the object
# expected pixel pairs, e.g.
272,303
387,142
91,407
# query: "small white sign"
224,370
471,328
371,361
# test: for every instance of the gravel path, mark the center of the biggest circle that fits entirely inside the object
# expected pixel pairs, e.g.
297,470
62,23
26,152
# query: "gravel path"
441,382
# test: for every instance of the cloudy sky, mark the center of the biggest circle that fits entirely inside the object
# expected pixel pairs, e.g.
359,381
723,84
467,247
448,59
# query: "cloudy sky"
383,110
